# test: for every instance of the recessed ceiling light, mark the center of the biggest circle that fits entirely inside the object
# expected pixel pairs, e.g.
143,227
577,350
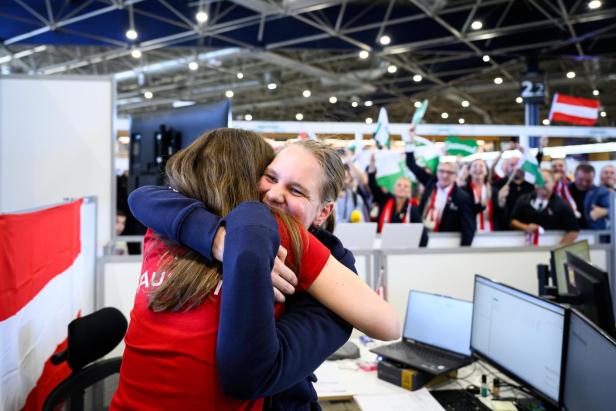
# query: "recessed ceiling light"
272,86
498,80
131,34
417,104
461,120
392,69
354,104
299,116
193,66
240,75
368,120
229,93
201,16
148,94
571,74
444,115
417,78
136,53
594,4
364,54
465,103
519,100
476,25
248,117
595,92
486,58
368,103
333,99
546,122
306,93
385,40
603,114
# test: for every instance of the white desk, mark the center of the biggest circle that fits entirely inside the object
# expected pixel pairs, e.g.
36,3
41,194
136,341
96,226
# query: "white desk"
343,379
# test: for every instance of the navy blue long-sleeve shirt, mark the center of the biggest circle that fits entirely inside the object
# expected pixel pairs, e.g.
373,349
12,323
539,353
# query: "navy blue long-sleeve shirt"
305,335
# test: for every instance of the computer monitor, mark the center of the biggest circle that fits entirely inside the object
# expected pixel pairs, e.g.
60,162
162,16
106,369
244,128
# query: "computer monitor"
590,290
520,334
438,320
559,258
590,371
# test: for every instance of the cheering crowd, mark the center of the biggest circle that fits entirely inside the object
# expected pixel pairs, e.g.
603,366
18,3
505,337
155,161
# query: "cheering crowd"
468,197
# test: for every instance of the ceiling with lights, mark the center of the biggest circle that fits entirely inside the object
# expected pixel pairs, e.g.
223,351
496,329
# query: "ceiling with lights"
336,60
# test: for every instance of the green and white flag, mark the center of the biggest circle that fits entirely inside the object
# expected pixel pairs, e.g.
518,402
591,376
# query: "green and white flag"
456,146
532,172
390,166
426,153
381,134
420,112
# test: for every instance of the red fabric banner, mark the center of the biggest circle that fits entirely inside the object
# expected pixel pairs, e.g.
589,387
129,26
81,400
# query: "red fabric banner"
34,248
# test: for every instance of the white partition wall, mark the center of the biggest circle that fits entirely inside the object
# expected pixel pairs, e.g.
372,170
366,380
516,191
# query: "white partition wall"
451,271
56,142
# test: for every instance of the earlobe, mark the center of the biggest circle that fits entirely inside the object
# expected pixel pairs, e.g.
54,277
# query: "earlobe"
325,211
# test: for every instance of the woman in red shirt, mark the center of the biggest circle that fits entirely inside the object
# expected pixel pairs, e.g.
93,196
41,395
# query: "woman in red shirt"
170,356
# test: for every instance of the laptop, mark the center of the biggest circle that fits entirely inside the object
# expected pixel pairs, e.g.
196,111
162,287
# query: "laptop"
437,334
356,236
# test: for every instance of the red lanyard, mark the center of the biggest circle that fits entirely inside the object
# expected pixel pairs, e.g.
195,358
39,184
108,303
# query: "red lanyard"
388,210
435,214
481,217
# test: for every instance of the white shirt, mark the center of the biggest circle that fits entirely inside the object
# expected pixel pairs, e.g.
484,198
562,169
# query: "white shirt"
441,198
539,203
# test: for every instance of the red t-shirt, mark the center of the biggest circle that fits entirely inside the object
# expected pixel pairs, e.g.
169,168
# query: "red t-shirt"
169,362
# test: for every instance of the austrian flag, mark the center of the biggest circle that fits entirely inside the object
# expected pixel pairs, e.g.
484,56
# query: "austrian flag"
574,110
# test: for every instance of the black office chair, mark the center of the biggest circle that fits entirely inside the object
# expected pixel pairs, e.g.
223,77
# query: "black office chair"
89,339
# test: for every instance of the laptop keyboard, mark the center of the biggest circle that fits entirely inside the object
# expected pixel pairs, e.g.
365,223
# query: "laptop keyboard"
423,353
458,400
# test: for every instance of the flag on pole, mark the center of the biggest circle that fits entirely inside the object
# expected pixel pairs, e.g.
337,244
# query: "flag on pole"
574,110
420,112
454,146
426,153
532,173
390,166
381,134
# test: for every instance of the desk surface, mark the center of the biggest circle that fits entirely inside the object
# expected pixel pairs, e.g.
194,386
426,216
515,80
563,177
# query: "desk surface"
344,379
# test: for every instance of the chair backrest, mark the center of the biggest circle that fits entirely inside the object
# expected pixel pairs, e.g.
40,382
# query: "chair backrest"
89,338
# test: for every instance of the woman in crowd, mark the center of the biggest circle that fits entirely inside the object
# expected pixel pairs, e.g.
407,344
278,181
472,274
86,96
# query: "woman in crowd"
478,186
395,207
171,355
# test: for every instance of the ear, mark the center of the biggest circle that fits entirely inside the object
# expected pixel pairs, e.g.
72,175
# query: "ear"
325,211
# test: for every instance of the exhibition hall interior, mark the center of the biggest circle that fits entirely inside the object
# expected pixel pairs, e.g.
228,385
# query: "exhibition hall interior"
337,205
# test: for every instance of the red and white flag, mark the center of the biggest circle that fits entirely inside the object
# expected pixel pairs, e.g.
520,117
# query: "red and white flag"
42,270
574,110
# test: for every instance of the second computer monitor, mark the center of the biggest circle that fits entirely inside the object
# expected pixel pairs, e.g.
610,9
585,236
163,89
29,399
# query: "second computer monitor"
521,334
590,368
559,258
591,290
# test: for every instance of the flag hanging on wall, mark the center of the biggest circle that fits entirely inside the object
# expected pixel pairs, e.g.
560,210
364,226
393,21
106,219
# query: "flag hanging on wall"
574,110
41,277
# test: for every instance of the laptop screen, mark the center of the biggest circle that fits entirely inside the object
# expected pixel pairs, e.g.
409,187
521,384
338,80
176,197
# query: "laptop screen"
440,321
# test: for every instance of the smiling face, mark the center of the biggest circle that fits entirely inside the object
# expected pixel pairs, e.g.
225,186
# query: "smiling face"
292,184
446,174
608,176
478,170
402,188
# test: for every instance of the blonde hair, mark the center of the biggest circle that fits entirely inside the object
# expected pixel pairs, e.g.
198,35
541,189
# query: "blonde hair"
332,180
222,169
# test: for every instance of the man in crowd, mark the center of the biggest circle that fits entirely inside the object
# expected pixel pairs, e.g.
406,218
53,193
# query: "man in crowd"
544,209
591,201
608,177
444,207
508,190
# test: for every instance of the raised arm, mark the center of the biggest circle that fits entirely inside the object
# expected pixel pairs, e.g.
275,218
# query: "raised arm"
177,217
422,175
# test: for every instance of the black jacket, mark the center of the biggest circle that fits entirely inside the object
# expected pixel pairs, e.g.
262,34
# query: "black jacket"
458,215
